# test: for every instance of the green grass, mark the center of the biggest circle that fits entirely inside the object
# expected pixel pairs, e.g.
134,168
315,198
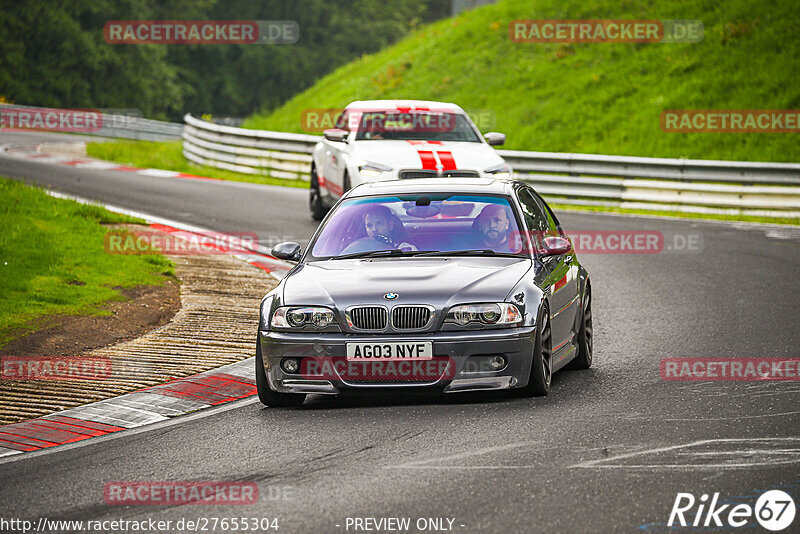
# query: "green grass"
53,261
169,156
588,98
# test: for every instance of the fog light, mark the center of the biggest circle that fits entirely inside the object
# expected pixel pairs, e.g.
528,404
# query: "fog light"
290,365
497,362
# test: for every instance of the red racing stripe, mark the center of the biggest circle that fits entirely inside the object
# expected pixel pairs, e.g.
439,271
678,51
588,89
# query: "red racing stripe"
410,109
428,161
448,163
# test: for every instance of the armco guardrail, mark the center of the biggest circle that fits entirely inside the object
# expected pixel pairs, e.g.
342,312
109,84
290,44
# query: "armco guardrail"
124,126
700,186
283,155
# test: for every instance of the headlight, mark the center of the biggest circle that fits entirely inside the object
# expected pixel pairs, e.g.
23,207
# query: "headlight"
373,170
300,316
488,313
501,171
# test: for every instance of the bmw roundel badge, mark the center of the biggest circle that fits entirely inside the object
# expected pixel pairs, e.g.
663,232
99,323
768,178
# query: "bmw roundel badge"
390,296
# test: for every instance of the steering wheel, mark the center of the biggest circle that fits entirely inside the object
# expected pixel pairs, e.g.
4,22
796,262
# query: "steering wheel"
356,246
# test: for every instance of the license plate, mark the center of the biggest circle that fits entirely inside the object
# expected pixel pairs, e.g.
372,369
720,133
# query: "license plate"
370,352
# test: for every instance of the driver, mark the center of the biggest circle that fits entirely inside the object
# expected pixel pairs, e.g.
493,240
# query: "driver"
492,229
383,230
379,224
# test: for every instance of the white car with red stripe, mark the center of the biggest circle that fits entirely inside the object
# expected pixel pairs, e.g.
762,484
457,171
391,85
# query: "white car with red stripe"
378,140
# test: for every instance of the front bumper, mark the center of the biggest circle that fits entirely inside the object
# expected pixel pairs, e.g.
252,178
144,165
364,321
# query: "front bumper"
458,367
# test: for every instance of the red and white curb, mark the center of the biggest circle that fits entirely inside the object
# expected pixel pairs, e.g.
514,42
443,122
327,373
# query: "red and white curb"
256,258
257,255
153,404
150,405
32,152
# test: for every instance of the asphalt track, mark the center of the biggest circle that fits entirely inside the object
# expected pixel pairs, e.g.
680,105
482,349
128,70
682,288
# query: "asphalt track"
606,451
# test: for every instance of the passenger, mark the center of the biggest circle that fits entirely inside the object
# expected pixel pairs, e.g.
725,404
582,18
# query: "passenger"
491,229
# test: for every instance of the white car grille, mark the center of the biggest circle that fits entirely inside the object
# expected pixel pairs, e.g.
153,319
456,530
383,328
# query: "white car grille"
423,173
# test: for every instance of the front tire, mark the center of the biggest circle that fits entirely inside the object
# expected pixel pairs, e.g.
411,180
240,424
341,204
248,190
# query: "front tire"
315,204
346,183
542,364
266,395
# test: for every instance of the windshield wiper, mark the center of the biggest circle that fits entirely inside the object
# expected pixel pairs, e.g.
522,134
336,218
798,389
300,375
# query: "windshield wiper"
380,253
471,252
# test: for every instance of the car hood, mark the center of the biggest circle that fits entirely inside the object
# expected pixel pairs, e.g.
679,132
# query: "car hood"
441,282
404,155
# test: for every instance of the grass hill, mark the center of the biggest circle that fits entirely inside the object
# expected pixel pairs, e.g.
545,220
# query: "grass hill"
604,98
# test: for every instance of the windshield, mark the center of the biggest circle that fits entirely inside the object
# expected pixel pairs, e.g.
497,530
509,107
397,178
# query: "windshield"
421,224
415,126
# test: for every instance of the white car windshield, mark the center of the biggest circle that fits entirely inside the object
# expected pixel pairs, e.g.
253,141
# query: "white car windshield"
419,223
415,126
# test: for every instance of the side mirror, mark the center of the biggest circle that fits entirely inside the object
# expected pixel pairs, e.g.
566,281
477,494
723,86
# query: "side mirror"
336,135
495,138
555,246
288,250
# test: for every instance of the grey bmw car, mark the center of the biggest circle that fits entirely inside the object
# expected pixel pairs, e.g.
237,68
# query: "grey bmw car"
453,284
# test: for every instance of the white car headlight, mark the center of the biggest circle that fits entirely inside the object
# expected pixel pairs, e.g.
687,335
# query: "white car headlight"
300,316
486,313
502,171
373,170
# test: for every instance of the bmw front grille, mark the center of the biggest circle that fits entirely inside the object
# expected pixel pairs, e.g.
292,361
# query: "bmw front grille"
368,317
411,317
